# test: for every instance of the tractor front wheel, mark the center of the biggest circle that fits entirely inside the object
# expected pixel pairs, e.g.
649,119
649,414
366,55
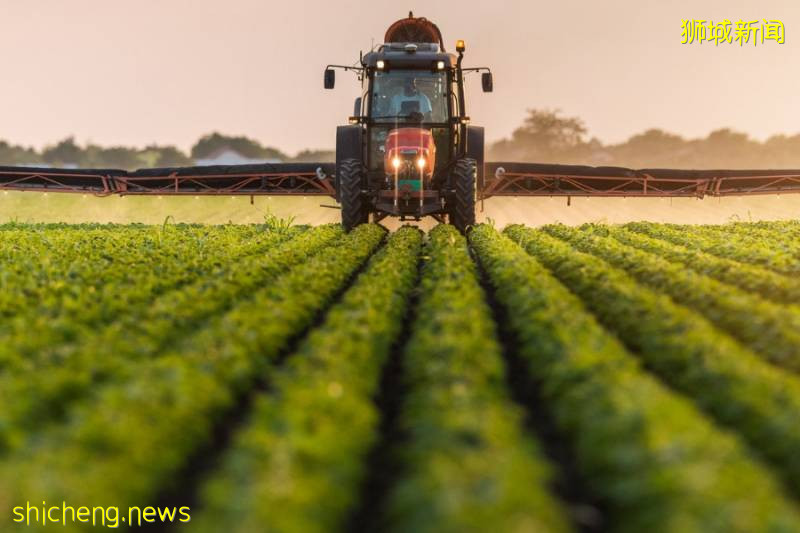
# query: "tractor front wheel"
351,178
461,210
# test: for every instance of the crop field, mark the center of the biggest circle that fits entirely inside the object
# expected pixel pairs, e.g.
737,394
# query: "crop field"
273,377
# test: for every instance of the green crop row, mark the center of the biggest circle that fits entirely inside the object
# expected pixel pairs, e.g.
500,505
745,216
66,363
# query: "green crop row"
42,388
32,227
648,453
758,252
232,268
467,466
757,400
786,228
770,329
299,462
762,281
38,266
95,276
783,237
135,438
70,309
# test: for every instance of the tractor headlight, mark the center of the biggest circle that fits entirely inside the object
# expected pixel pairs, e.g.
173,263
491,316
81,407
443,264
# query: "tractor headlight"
380,64
440,65
396,163
421,162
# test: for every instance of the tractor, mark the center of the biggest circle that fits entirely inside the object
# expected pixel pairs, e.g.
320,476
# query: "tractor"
409,150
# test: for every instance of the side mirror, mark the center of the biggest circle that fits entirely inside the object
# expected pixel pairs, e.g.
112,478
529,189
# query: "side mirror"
357,107
487,82
330,78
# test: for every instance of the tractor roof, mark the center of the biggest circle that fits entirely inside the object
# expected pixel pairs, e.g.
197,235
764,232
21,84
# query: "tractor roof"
409,55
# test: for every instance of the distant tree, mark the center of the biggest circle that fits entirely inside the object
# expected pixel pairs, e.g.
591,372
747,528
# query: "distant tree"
544,136
209,144
725,148
321,156
653,148
169,156
114,157
782,151
18,155
65,152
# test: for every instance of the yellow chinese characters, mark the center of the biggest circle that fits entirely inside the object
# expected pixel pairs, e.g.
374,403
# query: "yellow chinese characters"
742,32
773,30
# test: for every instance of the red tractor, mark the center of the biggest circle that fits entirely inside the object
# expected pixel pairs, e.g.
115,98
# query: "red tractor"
409,150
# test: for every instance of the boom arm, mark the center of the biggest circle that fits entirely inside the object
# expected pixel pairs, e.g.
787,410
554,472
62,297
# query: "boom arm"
533,179
267,179
307,179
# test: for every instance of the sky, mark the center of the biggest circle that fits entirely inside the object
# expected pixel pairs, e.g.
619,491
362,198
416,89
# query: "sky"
168,71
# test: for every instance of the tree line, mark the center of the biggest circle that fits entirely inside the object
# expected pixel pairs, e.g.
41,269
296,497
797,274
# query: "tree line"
545,136
67,153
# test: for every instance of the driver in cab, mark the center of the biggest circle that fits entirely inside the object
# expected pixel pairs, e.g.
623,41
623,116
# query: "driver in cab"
410,100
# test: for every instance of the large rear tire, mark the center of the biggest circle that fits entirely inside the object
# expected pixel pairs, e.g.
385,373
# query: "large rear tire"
351,178
462,204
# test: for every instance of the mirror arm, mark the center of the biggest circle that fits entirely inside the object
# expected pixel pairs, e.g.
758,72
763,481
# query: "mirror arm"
346,67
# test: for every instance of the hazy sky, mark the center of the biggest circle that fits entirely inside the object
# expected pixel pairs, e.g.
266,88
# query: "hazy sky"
168,71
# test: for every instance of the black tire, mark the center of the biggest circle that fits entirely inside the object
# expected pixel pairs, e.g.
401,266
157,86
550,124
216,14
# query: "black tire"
462,203
351,178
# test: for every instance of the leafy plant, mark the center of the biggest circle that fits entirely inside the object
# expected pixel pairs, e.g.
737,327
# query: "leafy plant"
275,223
468,466
645,451
770,329
755,399
292,455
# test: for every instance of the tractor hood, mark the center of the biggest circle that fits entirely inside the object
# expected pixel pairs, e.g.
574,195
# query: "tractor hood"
410,150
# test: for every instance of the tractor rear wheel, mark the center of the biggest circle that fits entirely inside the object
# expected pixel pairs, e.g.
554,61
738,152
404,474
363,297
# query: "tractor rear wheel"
461,210
351,179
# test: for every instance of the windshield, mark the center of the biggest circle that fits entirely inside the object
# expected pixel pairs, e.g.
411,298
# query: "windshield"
409,95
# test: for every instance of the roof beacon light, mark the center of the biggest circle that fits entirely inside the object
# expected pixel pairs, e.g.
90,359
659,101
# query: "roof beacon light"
460,46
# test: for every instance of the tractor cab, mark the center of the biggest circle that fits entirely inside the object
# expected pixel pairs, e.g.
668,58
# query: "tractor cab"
409,150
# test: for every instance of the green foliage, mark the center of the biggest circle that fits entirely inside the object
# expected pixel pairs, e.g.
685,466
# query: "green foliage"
277,224
126,350
467,464
757,252
292,456
749,234
752,278
140,432
657,462
48,390
770,329
755,399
